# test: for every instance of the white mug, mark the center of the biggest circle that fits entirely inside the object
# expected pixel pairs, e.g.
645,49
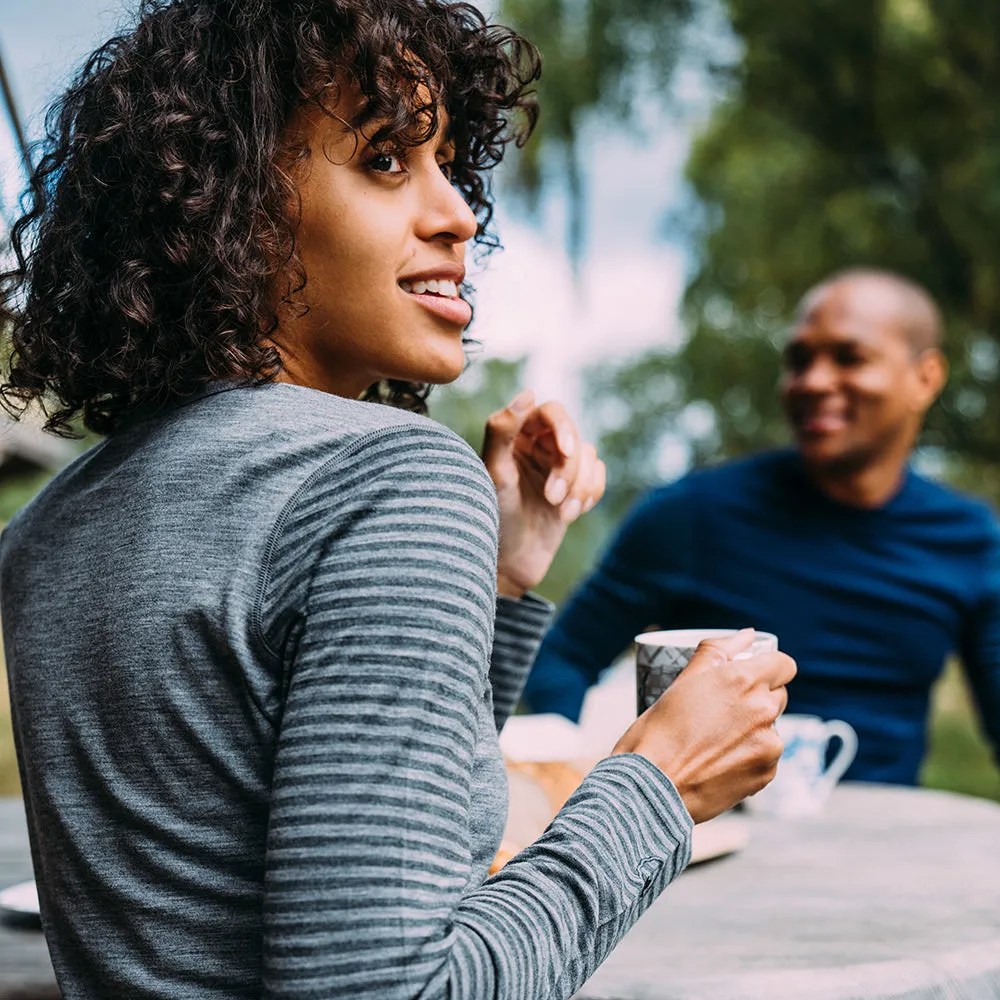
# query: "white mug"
804,782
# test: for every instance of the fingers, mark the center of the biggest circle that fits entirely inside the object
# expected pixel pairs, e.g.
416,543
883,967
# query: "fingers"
575,478
599,486
550,426
778,669
772,747
503,427
562,478
587,486
718,651
781,702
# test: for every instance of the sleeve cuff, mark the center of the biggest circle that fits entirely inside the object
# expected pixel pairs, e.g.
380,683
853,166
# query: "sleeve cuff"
650,808
528,616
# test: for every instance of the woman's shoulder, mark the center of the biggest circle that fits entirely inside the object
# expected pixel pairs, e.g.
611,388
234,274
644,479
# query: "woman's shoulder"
342,452
294,425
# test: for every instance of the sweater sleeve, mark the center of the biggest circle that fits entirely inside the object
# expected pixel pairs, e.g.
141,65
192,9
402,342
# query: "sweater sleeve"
520,625
368,887
981,648
648,562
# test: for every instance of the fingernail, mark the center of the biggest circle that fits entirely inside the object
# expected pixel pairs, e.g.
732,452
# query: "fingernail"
589,505
567,440
556,491
571,509
523,402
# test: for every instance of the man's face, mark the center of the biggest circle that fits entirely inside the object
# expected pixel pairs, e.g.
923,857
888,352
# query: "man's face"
854,389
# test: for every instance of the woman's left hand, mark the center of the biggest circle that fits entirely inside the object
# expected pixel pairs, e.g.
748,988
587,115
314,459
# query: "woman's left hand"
546,477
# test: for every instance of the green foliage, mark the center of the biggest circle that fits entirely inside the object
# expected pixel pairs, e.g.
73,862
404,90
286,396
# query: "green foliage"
861,133
9,781
958,757
596,55
484,388
16,492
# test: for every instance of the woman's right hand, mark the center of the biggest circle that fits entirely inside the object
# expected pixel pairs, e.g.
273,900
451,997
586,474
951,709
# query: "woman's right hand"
712,731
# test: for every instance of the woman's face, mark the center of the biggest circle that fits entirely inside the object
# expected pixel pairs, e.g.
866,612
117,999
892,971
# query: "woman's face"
382,240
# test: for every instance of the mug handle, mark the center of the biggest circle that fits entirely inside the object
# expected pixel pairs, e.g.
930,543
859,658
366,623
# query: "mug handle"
848,751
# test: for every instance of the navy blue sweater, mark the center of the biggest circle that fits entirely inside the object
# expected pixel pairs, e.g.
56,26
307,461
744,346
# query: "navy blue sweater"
869,602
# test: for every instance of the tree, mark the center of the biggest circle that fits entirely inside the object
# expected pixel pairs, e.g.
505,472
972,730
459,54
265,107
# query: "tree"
597,54
861,133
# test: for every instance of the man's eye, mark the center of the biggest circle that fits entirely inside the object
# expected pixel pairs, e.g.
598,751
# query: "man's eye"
848,358
385,163
448,169
796,360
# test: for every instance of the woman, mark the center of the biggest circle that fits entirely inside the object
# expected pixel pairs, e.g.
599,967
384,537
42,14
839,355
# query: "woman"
250,635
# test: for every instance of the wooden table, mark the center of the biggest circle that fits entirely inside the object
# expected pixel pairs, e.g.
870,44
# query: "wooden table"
892,893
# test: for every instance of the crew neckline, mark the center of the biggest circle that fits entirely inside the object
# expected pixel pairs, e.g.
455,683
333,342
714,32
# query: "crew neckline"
898,498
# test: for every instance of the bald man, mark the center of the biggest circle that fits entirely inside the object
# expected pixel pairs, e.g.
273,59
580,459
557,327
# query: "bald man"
870,574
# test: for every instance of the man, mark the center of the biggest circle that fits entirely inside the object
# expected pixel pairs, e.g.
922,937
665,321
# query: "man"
869,574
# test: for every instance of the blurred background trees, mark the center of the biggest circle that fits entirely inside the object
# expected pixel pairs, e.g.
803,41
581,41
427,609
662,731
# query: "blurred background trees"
845,133
861,133
850,133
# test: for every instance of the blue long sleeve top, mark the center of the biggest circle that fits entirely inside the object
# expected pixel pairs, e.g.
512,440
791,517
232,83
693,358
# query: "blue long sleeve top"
870,602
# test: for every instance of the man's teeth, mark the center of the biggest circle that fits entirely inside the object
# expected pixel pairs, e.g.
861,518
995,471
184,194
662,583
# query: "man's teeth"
447,289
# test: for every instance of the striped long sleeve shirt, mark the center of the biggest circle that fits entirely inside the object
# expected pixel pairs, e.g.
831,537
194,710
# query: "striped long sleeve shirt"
258,668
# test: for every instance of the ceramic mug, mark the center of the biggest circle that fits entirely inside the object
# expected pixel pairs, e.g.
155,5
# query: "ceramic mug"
661,656
804,780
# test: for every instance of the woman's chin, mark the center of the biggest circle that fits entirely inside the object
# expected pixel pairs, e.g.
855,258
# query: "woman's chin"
444,369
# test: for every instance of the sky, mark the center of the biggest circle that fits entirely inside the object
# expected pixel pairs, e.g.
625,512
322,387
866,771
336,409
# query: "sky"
529,301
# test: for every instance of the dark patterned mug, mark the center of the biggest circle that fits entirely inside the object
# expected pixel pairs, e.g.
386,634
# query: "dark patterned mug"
661,656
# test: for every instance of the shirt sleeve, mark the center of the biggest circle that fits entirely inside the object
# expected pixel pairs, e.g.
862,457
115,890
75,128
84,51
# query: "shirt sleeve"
981,649
368,887
520,625
647,563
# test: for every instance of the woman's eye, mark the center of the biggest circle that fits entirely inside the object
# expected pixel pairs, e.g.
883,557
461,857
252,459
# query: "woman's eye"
448,169
385,163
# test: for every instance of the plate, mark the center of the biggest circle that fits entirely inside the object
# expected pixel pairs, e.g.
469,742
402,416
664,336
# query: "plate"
539,789
723,835
19,904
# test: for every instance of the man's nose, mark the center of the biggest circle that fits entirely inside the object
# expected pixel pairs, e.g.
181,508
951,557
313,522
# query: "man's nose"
818,378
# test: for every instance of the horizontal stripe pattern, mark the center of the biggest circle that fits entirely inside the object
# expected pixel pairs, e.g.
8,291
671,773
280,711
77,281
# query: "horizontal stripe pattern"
373,886
258,720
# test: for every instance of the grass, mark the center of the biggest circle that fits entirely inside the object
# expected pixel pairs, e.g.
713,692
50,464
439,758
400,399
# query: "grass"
959,759
9,784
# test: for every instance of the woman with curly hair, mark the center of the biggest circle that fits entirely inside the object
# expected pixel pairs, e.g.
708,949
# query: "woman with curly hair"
261,638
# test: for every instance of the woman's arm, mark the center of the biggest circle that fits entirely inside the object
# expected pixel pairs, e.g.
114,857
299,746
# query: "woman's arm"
367,883
520,625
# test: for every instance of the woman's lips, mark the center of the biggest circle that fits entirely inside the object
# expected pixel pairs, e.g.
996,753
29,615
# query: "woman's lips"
454,310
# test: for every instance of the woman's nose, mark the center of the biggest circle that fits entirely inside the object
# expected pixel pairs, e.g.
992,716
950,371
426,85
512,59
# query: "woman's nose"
447,216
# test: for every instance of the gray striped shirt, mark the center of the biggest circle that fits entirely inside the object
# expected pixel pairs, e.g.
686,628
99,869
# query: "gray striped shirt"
256,696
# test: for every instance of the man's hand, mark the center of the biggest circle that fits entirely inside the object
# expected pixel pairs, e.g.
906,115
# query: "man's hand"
545,479
711,732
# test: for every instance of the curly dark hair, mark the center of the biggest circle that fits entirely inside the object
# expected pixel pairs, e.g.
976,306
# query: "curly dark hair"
156,225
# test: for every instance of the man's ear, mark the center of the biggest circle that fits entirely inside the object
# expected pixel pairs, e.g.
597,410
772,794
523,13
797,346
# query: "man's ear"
932,374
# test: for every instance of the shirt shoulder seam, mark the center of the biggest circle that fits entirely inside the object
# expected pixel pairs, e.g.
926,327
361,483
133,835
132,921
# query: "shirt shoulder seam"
359,443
